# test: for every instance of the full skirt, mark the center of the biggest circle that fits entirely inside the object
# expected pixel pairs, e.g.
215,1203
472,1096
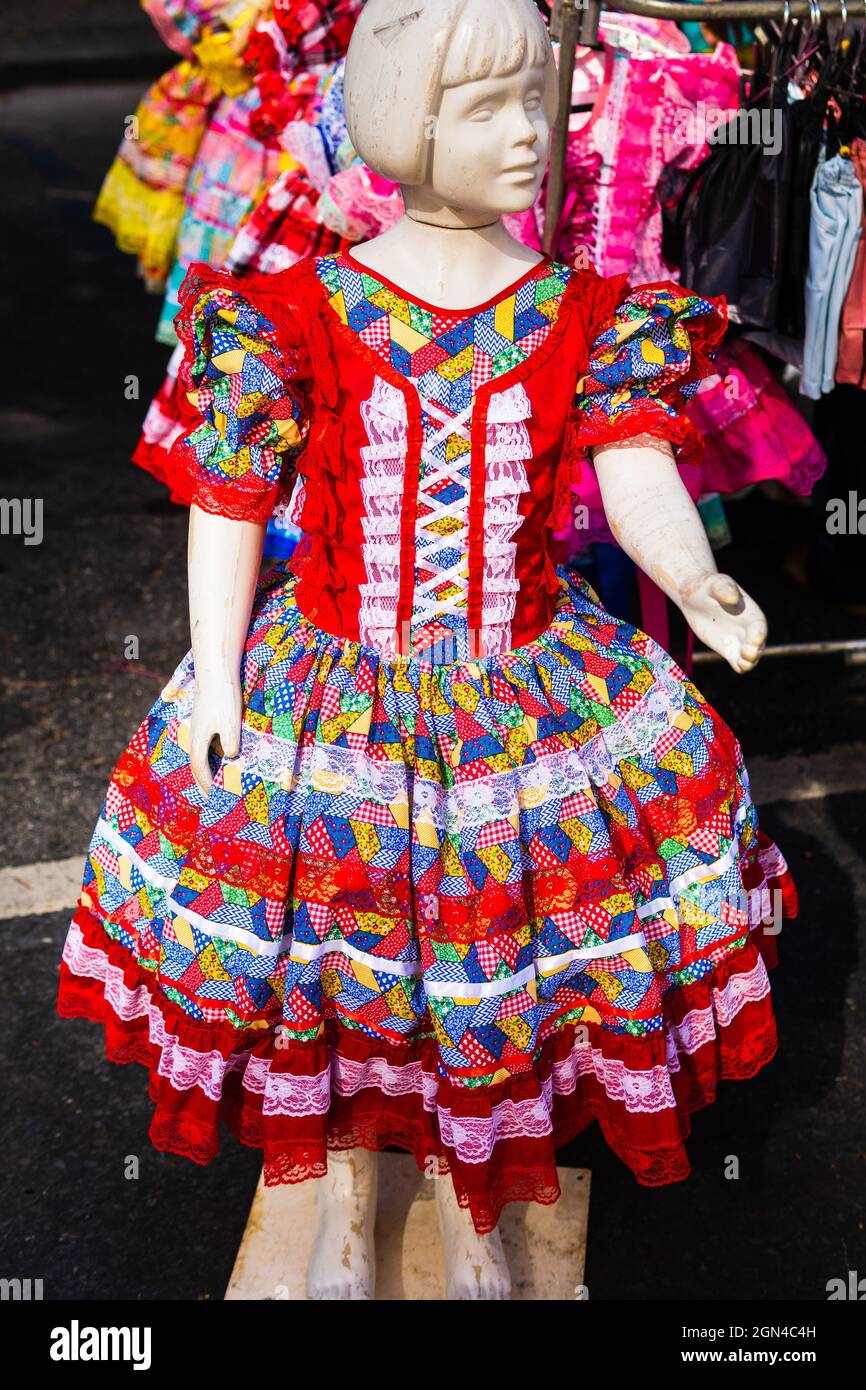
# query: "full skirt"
461,909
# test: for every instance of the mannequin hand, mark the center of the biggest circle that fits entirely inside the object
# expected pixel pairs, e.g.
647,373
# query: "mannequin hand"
723,616
216,714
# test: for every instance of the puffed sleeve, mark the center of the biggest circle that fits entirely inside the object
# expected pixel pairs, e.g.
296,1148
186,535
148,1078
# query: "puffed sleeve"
644,365
240,376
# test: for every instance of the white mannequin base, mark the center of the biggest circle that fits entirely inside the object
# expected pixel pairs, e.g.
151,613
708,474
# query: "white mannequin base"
545,1247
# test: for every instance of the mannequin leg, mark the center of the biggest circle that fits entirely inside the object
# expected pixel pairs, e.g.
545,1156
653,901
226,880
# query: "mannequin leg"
476,1267
343,1262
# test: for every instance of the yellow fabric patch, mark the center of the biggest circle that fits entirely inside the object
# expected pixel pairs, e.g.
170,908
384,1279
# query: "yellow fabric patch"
628,327
494,858
451,865
232,776
405,336
503,319
652,353
288,430
426,832
211,965
456,367
456,447
517,1029
638,960
183,932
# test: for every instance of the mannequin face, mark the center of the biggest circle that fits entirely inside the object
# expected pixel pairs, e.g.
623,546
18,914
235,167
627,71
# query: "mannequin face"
491,144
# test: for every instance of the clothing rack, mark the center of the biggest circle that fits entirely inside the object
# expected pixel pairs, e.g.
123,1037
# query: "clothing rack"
576,22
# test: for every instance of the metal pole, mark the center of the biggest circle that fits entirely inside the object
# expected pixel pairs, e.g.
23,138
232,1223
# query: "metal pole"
731,9
569,26
854,649
590,15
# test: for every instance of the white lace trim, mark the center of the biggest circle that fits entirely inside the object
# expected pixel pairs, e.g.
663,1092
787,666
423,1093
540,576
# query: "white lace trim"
474,1137
294,507
482,800
427,605
699,1026
386,422
642,1092
507,451
648,1091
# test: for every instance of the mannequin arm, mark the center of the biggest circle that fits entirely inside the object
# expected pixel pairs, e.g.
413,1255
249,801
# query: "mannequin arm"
658,526
224,560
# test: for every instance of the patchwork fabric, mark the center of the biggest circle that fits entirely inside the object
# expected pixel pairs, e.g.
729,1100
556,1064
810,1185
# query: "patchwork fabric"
647,364
575,768
447,356
457,861
253,421
463,906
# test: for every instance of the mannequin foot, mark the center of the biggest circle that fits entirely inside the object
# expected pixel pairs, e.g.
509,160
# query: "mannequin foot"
342,1265
475,1266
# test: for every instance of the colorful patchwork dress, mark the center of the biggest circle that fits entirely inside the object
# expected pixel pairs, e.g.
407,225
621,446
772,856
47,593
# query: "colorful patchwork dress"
486,867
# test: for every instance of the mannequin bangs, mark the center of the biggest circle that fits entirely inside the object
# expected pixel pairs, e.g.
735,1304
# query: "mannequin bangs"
495,41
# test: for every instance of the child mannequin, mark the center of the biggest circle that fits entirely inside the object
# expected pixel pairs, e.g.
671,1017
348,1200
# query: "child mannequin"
455,99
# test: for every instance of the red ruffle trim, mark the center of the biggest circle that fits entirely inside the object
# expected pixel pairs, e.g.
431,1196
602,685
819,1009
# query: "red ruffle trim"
598,299
186,486
650,417
284,299
518,1169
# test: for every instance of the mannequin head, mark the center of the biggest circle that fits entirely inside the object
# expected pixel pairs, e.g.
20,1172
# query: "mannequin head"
453,99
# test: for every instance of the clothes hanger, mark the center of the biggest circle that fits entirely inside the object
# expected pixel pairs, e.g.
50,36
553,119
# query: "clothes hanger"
634,40
848,88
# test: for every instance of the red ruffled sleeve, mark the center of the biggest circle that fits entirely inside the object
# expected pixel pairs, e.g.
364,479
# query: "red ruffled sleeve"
645,362
243,376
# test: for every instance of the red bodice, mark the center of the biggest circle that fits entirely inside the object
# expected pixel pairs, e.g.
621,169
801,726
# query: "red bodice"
284,381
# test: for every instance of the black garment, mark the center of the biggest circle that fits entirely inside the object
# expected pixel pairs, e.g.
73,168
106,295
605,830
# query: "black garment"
806,134
737,214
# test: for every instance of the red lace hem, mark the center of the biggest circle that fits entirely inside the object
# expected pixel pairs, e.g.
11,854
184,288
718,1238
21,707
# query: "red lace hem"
186,487
518,1167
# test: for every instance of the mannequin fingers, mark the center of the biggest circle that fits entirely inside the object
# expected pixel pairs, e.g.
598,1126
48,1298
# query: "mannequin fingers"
752,648
198,761
230,740
756,633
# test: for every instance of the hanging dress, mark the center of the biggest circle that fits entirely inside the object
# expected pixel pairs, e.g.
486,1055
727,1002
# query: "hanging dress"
486,867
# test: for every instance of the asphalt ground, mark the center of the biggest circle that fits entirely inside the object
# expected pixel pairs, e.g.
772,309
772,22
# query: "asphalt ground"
112,564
